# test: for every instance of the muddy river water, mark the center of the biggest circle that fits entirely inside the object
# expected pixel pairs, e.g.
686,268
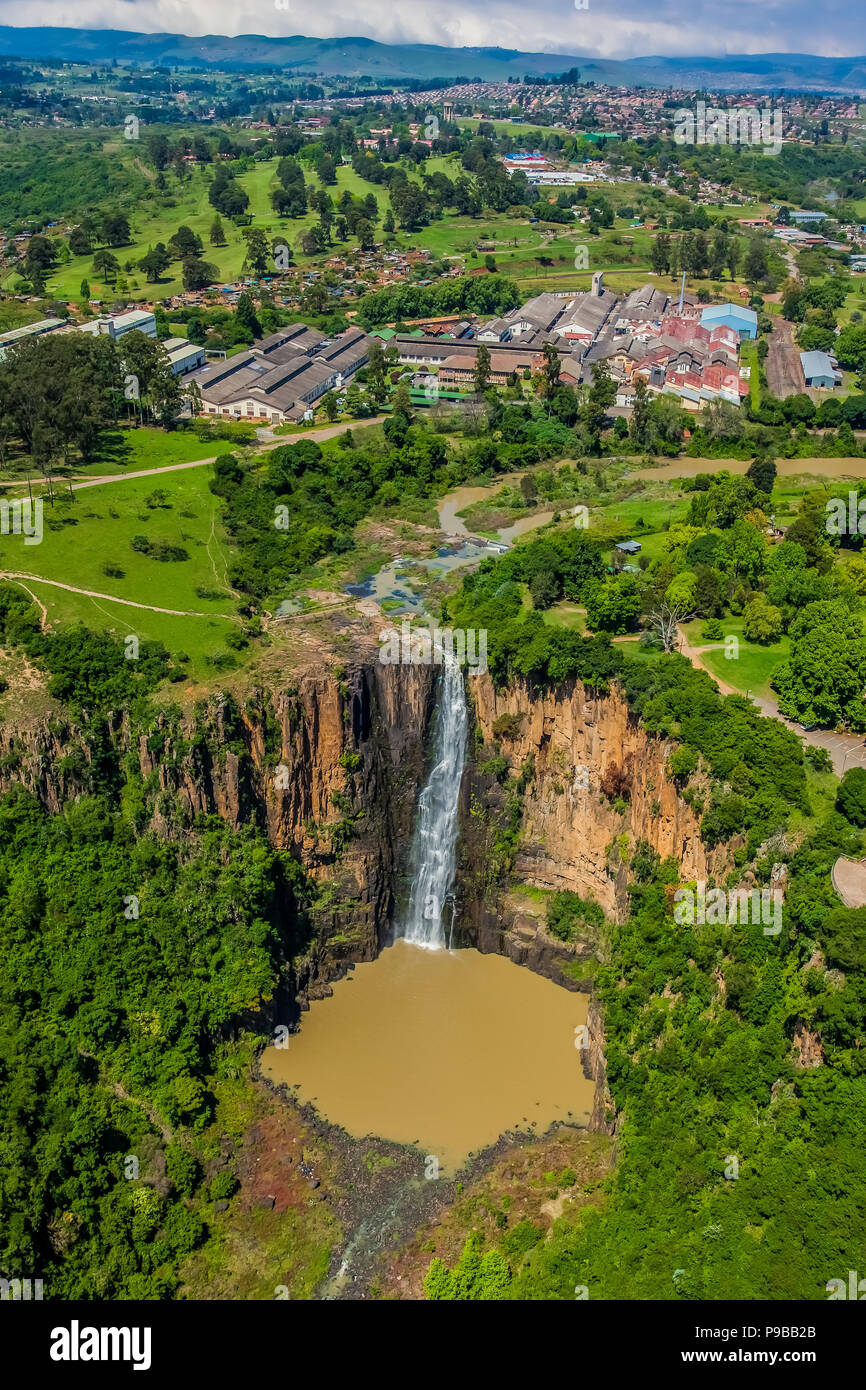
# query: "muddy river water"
444,1049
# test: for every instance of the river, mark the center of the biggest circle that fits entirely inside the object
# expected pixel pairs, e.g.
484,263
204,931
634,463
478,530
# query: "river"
391,584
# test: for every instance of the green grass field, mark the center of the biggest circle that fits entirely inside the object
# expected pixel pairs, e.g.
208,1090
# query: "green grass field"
751,669
99,526
127,450
567,615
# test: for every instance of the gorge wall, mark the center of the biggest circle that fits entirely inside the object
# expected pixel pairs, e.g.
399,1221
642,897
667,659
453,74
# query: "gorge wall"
329,767
571,831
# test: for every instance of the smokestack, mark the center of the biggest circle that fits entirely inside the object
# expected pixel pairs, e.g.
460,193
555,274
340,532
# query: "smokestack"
682,292
597,287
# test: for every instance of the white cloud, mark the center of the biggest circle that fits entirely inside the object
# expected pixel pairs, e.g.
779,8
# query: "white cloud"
609,28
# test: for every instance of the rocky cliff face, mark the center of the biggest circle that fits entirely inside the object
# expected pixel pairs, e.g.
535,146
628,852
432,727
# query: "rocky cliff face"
592,786
573,835
330,767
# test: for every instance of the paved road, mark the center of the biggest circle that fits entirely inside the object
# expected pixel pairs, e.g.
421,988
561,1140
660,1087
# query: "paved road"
849,879
275,442
846,750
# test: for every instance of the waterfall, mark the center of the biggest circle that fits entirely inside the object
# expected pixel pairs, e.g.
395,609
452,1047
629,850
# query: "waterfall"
434,851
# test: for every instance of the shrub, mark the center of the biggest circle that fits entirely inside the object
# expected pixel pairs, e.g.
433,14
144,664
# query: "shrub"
223,1186
507,725
851,796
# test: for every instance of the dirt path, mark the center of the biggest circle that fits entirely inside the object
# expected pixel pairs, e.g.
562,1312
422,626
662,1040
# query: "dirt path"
846,750
329,432
784,374
155,1119
109,598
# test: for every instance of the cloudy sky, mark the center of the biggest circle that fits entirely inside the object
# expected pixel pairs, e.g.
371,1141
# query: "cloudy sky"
608,28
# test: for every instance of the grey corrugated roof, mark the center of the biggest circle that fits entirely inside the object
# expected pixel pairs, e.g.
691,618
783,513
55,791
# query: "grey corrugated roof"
817,363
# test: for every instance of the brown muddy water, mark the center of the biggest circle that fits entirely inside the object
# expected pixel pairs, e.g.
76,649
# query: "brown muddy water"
787,468
447,1050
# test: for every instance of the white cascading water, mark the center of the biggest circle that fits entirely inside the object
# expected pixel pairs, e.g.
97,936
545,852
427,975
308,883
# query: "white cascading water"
434,852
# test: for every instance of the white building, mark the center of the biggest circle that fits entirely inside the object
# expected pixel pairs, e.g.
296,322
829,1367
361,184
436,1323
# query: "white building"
183,355
115,325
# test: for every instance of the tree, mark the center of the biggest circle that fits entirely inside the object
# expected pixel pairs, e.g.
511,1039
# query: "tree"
258,252
330,406
39,260
376,371
665,620
155,261
114,229
402,401
660,255
217,232
481,374
851,796
755,267
106,265
184,243
196,273
762,472
82,237
640,412
245,313
364,233
84,290
680,593
823,680
312,241
544,589
850,347
613,604
528,490
600,396
61,392
762,622
551,369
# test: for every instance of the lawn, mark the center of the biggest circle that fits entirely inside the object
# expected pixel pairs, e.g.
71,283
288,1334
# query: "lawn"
567,615
93,530
190,207
751,669
128,449
131,449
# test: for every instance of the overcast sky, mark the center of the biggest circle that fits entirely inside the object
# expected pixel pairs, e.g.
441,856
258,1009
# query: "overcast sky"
608,28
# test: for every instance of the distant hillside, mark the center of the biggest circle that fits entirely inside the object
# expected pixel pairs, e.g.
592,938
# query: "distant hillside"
360,57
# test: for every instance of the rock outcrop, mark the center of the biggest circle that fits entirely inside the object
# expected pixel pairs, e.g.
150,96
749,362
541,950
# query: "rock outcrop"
573,835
